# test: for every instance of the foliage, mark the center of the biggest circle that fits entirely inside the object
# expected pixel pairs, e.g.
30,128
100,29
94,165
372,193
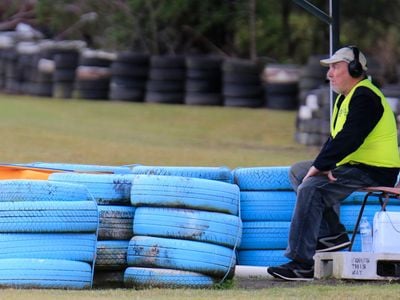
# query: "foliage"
277,29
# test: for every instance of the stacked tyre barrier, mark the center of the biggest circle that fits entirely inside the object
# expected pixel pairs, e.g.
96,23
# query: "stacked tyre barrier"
13,75
112,195
92,78
41,79
47,235
312,77
6,45
185,232
312,124
392,94
166,82
203,80
129,73
43,66
242,84
281,86
267,202
65,64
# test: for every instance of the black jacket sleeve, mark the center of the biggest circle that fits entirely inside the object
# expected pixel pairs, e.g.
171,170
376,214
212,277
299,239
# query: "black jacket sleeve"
365,111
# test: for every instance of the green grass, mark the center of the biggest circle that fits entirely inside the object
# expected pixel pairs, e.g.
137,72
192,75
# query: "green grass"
103,132
115,133
302,291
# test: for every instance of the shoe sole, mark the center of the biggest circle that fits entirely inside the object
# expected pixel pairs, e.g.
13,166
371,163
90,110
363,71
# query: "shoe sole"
336,247
276,275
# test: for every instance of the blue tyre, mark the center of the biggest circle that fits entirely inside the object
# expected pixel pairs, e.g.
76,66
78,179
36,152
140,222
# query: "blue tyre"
45,273
212,173
115,222
262,258
184,192
41,190
265,235
267,205
111,255
48,216
104,188
262,178
209,259
66,246
188,224
165,278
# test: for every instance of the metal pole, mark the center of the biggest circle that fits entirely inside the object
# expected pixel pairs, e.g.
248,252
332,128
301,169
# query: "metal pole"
334,40
334,31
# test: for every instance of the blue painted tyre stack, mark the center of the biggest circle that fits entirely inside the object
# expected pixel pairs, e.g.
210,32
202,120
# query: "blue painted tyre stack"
266,201
47,235
112,194
185,229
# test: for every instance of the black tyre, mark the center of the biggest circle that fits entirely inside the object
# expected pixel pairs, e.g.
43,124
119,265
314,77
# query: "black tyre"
243,102
167,61
192,98
168,98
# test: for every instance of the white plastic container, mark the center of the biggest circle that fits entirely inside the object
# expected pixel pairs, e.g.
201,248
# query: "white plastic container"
386,228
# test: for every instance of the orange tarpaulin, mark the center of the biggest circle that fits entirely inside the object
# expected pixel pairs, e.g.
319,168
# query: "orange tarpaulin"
19,172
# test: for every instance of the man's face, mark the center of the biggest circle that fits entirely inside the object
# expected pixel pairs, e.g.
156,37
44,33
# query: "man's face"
339,77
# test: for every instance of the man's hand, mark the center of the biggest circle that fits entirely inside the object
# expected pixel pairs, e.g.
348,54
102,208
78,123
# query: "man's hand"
313,171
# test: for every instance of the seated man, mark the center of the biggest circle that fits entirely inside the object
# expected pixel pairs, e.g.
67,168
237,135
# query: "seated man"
362,151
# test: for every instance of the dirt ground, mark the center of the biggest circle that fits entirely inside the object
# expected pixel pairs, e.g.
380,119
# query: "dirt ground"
249,283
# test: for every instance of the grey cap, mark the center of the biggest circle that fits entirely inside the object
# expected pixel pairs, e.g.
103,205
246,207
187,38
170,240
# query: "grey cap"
345,54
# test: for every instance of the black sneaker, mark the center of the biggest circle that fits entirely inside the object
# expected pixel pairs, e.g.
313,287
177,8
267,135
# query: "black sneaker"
293,271
333,243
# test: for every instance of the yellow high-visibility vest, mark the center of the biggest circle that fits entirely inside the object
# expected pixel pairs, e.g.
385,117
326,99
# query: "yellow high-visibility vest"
380,148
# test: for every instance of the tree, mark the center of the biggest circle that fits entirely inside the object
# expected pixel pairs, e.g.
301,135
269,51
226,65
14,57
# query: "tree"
279,30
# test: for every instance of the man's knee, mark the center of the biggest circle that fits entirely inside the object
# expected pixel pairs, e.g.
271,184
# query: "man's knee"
297,173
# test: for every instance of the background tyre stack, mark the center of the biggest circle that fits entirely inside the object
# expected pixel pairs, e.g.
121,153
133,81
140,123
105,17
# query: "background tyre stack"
12,73
392,94
166,82
267,201
313,117
6,44
242,85
27,66
47,235
376,71
129,72
188,227
65,64
92,78
313,76
112,194
42,79
203,80
281,86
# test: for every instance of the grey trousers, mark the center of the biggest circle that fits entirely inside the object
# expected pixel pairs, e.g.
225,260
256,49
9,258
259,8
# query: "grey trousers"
316,212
